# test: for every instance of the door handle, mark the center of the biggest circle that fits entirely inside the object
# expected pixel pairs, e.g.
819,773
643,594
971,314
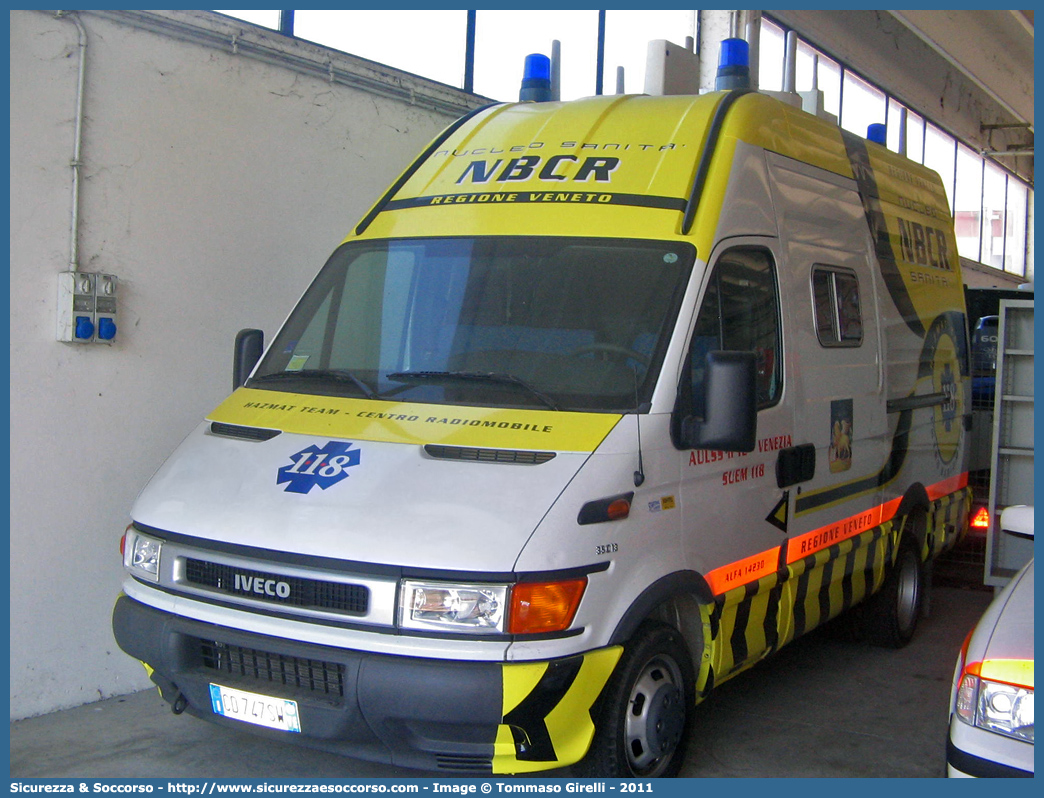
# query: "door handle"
795,464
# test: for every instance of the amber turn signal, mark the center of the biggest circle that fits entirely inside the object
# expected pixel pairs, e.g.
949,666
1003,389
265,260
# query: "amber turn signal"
542,607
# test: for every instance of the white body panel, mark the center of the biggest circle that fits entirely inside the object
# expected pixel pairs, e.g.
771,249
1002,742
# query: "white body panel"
397,506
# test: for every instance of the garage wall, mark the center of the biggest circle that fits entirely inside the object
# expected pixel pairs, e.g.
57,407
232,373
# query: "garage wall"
214,185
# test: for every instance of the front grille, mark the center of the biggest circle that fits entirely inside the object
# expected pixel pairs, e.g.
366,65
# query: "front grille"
513,456
293,591
262,666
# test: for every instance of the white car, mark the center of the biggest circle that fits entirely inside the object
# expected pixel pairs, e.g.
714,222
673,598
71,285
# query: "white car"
991,699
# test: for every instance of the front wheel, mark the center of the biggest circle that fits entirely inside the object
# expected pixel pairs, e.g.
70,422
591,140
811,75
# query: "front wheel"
643,717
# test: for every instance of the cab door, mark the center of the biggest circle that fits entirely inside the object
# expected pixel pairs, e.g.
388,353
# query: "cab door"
732,510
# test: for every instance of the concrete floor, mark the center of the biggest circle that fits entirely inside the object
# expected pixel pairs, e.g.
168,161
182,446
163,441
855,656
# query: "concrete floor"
822,707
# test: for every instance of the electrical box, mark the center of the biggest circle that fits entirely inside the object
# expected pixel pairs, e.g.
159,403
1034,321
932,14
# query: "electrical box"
86,308
671,69
105,308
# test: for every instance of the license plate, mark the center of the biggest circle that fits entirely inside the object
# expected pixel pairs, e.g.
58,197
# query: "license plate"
262,710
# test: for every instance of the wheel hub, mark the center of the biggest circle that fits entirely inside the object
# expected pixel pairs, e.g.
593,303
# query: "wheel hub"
666,720
656,717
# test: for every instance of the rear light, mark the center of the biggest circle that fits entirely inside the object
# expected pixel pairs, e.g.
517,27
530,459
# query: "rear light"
981,519
543,607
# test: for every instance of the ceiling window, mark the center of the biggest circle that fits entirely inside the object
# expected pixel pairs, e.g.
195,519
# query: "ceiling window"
1015,228
504,38
267,19
967,206
914,137
427,43
994,200
770,57
862,106
939,154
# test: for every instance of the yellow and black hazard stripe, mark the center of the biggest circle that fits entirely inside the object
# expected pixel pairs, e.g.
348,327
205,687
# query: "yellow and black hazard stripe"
750,622
745,625
547,710
947,521
834,579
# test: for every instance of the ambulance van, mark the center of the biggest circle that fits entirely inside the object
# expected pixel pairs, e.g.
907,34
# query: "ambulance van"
600,405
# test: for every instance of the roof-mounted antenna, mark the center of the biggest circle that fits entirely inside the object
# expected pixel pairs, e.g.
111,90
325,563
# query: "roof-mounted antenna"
639,475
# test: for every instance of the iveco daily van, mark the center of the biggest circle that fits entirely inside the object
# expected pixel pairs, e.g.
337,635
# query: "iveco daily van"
601,404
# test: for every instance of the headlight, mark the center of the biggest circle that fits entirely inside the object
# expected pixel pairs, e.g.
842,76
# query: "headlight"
474,609
141,555
524,608
1005,708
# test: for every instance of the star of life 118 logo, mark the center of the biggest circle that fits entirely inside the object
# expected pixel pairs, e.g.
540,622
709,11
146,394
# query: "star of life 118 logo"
320,466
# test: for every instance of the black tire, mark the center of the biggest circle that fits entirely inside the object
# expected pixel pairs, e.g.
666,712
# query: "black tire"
643,717
890,616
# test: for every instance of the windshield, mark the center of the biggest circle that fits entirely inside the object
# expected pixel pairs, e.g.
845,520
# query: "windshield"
556,323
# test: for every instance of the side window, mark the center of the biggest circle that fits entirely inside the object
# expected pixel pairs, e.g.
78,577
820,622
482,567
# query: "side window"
740,311
835,294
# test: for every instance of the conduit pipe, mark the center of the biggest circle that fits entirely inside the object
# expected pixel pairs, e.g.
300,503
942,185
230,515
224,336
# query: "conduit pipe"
74,221
753,36
995,153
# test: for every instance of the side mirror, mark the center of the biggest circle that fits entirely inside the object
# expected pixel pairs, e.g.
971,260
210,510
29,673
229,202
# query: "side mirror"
250,344
731,413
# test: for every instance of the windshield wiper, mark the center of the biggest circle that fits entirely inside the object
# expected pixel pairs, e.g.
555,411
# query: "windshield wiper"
323,375
477,376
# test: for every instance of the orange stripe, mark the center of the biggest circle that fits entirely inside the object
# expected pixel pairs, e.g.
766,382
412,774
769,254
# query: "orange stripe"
826,536
947,486
749,569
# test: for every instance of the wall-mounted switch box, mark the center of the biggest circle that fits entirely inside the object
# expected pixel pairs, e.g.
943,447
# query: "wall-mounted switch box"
105,308
76,320
86,308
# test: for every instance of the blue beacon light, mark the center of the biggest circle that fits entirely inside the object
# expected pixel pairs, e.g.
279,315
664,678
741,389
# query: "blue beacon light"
733,65
877,133
536,79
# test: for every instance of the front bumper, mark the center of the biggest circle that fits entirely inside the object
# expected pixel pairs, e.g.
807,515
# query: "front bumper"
453,716
977,753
